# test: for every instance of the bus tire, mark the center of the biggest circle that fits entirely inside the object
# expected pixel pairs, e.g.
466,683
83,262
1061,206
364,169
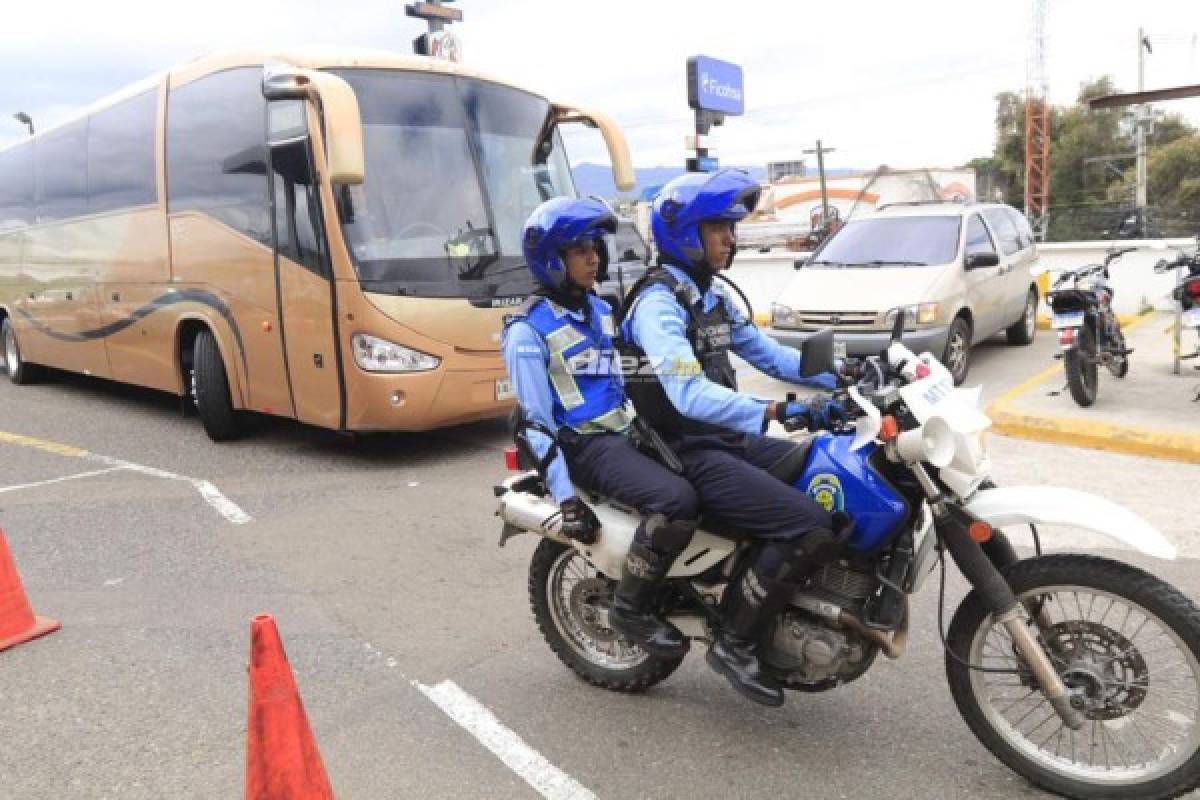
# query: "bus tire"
19,370
211,390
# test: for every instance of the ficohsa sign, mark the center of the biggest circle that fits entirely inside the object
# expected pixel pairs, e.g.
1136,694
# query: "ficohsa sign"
715,85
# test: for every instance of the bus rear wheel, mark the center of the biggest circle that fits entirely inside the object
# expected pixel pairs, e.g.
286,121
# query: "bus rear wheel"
210,390
19,371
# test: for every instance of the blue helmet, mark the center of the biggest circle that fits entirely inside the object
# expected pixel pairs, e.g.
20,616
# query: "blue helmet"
559,222
696,197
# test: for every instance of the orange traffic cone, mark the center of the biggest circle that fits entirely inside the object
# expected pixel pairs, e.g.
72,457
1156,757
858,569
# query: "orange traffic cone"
282,762
17,621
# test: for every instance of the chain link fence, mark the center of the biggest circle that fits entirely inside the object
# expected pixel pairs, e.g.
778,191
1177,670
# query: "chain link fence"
1112,221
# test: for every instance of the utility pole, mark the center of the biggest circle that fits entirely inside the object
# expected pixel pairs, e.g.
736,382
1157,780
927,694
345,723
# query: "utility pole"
1142,121
821,151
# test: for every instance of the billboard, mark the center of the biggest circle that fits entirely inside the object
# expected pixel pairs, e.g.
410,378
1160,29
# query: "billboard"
715,85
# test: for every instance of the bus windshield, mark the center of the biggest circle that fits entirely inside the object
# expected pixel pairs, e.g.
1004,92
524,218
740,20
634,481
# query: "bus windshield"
454,166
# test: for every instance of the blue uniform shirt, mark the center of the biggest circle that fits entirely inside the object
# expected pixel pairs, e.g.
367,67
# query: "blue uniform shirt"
658,325
597,399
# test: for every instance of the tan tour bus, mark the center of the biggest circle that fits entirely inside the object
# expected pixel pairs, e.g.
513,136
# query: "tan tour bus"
331,239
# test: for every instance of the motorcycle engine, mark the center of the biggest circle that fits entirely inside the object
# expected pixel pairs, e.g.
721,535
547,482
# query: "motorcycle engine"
812,654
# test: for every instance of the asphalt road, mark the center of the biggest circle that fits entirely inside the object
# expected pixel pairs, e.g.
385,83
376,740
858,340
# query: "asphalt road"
378,557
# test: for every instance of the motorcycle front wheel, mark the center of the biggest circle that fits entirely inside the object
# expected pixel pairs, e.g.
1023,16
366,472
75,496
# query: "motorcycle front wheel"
1127,646
1080,365
570,601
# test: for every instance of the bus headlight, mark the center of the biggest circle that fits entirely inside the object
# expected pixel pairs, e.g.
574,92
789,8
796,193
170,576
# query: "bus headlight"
378,355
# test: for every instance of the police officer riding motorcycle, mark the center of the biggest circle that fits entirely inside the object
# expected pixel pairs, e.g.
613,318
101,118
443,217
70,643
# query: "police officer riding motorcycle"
685,326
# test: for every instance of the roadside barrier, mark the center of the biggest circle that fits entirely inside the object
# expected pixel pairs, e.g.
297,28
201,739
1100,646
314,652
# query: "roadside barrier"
282,761
18,623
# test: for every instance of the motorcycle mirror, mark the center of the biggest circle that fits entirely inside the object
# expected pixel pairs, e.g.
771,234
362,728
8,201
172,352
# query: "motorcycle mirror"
816,354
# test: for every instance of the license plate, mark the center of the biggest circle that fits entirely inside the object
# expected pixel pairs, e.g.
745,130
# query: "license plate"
504,390
1073,320
1191,318
839,349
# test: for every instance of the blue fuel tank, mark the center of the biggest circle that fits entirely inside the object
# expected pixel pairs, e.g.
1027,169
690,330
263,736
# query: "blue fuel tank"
840,479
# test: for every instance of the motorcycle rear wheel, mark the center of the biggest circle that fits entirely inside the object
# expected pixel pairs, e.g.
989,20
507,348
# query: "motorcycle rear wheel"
1079,363
570,601
1131,662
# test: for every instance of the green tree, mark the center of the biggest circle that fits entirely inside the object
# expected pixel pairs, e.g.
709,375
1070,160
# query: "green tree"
1173,173
1079,137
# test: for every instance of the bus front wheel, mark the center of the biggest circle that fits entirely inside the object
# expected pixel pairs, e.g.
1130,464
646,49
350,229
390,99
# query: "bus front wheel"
210,390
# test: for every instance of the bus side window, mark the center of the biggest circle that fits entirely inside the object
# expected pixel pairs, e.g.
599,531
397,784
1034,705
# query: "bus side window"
216,151
61,173
16,187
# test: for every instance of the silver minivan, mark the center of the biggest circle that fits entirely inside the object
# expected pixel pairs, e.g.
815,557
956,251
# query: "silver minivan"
962,273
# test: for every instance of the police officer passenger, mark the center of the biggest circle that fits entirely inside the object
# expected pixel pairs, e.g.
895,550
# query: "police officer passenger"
558,348
686,326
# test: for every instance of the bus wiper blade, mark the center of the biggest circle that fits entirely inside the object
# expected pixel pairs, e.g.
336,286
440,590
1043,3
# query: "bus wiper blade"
827,263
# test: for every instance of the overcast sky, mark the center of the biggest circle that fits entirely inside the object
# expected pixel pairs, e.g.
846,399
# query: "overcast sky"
906,84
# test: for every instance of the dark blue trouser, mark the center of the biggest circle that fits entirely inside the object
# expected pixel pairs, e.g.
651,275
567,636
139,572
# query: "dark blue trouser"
729,473
613,466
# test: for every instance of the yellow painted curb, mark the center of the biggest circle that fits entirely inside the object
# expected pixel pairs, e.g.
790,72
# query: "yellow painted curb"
1168,445
1098,436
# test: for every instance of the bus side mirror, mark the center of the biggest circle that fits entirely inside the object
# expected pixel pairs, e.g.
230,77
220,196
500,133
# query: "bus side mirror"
614,140
339,111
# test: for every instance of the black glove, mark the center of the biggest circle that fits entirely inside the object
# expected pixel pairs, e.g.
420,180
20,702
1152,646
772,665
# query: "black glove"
579,522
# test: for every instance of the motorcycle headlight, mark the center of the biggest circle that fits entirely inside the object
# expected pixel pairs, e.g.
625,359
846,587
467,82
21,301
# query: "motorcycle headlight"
784,317
918,315
379,355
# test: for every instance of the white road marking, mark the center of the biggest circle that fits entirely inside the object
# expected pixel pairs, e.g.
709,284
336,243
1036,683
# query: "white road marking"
58,480
548,780
211,494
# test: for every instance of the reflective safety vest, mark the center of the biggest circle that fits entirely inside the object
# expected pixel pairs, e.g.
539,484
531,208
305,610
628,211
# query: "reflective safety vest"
710,333
583,367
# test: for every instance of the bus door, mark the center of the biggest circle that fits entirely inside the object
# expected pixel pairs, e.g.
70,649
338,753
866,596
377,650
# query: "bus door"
302,269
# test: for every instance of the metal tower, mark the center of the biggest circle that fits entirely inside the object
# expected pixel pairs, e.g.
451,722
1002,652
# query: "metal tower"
1037,126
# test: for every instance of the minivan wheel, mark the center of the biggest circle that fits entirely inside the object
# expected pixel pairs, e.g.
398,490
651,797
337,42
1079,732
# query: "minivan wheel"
1023,330
958,349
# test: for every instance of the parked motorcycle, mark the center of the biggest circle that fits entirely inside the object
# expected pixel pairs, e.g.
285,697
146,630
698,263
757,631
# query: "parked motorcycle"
1080,673
1186,294
1089,333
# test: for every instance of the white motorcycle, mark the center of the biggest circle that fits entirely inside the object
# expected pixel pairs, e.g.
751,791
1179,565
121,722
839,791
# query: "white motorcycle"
1080,673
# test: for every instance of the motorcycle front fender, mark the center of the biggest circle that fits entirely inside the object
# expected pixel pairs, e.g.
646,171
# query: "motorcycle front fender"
1050,505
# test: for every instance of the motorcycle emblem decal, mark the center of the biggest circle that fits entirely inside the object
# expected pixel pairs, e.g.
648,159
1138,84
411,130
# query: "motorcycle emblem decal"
826,491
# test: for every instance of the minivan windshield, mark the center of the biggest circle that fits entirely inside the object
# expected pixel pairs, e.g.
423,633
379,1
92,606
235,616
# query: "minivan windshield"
454,166
891,242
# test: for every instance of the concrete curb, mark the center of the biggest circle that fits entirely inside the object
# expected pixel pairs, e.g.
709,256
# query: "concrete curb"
1009,421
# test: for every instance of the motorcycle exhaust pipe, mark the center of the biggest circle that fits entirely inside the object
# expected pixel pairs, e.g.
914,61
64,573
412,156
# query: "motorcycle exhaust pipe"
531,513
892,646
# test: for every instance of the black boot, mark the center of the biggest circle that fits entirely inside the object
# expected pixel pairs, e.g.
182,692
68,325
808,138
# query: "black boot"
749,607
631,614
